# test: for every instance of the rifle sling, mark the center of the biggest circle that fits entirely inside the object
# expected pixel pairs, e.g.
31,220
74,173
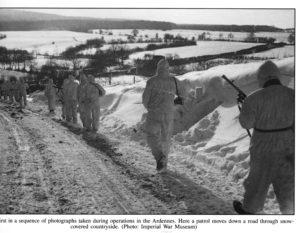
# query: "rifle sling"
176,86
274,130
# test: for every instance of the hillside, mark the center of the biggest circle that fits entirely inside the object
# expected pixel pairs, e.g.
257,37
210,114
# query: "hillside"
7,15
15,20
233,28
12,20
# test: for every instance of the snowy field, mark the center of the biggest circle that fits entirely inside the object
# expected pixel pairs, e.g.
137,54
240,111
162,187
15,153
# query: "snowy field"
55,42
51,42
279,36
286,51
202,48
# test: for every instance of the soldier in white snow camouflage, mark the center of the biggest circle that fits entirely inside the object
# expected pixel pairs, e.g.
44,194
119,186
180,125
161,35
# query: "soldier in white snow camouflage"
50,93
93,92
158,99
270,112
70,94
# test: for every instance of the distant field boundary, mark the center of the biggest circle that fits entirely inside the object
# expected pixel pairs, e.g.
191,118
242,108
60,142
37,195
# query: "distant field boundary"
255,49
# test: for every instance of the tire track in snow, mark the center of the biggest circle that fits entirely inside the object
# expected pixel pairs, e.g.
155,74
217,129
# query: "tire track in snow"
96,180
32,183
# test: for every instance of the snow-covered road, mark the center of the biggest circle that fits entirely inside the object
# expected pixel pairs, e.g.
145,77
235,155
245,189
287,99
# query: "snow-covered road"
47,170
50,167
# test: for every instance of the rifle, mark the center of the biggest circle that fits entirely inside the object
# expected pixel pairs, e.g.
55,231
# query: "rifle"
59,89
240,93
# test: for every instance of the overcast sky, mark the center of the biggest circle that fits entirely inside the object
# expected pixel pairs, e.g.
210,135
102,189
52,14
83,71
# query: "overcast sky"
279,18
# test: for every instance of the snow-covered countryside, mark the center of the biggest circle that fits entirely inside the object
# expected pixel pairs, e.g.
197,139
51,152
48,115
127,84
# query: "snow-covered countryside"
50,166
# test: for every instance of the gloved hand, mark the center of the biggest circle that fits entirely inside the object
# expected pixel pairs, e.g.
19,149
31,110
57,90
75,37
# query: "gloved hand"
241,98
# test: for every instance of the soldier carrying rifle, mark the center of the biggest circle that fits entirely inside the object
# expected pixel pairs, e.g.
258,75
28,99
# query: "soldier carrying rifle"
270,112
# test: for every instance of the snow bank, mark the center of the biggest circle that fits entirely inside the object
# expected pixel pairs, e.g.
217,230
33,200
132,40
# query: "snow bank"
122,80
206,90
206,126
7,73
243,75
218,138
123,105
38,96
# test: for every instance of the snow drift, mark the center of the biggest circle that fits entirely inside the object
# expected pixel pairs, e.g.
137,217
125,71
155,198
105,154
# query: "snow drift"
206,126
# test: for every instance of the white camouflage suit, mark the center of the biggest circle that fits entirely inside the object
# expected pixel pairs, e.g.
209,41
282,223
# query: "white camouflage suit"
158,99
50,93
271,152
64,101
93,92
23,86
81,99
70,94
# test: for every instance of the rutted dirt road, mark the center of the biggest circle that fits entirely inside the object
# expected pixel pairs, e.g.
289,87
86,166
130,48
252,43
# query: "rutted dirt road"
49,167
46,169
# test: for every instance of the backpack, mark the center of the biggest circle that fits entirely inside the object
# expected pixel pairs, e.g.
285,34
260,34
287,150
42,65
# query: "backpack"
99,90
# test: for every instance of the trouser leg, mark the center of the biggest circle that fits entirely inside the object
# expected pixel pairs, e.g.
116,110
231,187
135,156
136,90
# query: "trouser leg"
16,97
96,117
284,184
74,111
153,129
82,114
51,103
11,97
166,134
63,109
88,118
25,100
258,182
68,108
21,102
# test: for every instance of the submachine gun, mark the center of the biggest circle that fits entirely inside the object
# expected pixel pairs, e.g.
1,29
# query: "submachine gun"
241,95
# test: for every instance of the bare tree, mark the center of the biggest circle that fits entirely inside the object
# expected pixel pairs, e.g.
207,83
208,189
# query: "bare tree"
291,38
221,36
230,36
135,32
178,69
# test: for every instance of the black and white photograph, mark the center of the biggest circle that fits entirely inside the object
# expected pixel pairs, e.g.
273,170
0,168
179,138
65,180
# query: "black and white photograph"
147,111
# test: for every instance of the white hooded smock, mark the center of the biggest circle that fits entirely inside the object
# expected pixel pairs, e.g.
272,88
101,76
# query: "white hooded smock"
270,111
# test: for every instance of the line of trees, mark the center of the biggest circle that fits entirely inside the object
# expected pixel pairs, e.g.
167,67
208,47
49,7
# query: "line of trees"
151,47
14,58
2,36
71,52
291,38
80,24
116,53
